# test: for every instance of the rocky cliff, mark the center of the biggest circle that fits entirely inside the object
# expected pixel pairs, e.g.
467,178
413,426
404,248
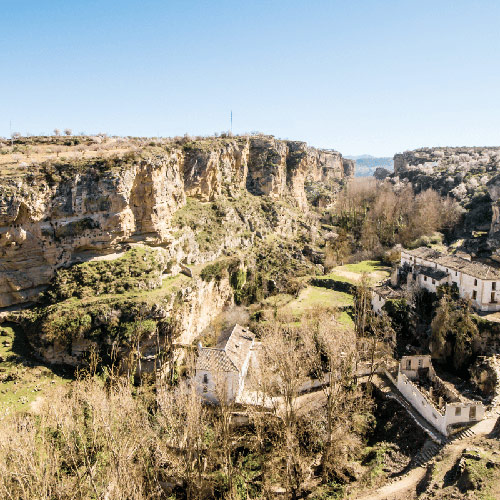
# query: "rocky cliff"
470,175
68,200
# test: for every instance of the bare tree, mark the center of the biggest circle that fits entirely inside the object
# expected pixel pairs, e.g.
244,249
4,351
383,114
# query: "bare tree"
67,131
283,372
225,387
57,132
332,355
185,420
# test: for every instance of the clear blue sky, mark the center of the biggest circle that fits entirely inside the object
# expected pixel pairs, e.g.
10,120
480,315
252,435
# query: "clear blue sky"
360,76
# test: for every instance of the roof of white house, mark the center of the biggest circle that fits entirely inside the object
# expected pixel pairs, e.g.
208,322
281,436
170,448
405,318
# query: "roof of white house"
230,354
435,274
387,292
474,269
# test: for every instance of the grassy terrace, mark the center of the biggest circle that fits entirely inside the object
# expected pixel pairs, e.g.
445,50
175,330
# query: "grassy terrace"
352,273
309,298
23,380
169,285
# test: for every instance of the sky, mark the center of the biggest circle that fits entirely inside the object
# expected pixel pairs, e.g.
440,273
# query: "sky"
358,76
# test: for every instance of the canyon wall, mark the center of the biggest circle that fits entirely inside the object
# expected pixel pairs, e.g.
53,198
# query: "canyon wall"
470,175
53,214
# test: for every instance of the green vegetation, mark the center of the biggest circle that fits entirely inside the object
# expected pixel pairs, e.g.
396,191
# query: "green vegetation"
98,318
24,380
366,266
138,269
353,273
212,222
454,332
314,296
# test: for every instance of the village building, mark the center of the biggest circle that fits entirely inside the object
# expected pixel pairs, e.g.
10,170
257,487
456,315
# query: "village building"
381,294
439,403
221,370
476,281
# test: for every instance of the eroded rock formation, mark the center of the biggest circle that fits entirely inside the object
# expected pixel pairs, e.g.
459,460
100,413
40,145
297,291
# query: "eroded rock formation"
468,174
52,215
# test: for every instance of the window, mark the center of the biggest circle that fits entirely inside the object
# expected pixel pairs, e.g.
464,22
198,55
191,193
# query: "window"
456,273
475,282
433,282
458,411
420,363
492,297
408,364
474,295
425,278
494,285
205,379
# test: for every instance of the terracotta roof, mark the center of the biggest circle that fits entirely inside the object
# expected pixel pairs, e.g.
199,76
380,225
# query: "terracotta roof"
230,354
214,360
474,269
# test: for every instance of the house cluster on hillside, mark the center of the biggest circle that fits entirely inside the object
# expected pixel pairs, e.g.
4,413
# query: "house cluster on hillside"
429,269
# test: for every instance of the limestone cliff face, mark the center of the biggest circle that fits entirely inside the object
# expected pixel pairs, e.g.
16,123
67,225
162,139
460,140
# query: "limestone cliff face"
470,175
51,220
192,310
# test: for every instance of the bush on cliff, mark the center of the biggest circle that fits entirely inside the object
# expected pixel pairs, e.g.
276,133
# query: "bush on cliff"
138,269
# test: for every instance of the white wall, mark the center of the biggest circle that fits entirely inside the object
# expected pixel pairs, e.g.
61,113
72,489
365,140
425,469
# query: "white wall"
416,362
208,390
420,402
465,283
452,418
377,302
426,408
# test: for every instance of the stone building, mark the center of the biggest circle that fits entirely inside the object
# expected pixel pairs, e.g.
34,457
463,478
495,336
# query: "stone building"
381,294
476,281
221,370
436,400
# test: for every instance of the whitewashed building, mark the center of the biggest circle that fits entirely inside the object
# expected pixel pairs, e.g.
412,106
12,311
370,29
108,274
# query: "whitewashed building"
221,370
476,281
438,403
381,294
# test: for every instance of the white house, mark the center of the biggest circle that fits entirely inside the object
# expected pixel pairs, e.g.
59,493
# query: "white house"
438,403
221,370
381,294
475,280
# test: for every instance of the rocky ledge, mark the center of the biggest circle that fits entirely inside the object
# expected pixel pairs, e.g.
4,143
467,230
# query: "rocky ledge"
66,200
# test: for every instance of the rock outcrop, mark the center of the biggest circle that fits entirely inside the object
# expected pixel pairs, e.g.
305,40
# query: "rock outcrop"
58,212
468,174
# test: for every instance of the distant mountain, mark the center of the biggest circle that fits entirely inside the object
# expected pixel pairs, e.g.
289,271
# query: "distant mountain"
367,164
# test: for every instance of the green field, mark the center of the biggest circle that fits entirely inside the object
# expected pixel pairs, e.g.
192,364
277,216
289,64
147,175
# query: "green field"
313,296
353,273
23,379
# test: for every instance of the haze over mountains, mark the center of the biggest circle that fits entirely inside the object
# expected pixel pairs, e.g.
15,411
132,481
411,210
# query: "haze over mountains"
367,164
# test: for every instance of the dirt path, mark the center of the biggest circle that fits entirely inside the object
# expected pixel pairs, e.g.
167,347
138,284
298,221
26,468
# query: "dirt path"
403,488
406,488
